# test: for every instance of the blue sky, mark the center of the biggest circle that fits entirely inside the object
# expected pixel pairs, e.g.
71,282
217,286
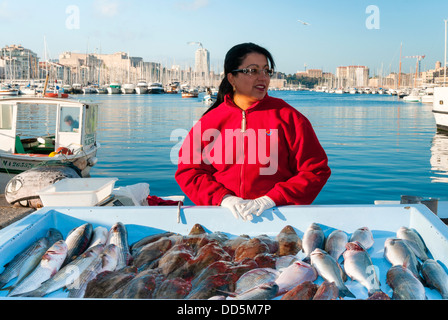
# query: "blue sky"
159,31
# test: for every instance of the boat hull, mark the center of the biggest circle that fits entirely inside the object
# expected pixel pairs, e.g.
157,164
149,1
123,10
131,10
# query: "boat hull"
14,164
440,108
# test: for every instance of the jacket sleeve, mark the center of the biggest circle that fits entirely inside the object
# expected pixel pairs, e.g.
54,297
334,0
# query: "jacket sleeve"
195,177
309,163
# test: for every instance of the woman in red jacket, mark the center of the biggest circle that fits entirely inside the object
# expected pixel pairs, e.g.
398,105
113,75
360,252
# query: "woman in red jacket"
250,152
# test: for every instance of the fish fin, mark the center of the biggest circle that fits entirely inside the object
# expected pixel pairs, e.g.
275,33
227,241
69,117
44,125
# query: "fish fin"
345,292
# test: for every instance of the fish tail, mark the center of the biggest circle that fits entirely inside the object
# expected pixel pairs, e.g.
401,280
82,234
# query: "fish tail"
345,292
307,259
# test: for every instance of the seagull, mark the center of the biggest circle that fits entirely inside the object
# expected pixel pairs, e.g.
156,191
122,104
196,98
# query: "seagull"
303,22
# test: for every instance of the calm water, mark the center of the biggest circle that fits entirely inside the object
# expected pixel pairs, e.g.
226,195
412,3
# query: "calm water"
378,148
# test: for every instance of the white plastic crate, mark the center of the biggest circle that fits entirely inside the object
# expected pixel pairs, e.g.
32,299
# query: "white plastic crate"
77,192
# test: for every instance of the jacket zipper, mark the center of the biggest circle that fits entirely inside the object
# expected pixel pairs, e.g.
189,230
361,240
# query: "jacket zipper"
243,130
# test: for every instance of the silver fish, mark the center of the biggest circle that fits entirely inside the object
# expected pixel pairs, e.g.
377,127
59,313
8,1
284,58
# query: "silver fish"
364,236
335,243
99,237
68,275
404,284
78,240
358,266
23,263
297,273
255,277
330,270
397,252
435,277
415,242
49,265
313,238
265,291
118,236
106,261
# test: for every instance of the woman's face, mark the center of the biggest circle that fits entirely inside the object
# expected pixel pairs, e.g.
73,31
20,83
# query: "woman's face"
250,88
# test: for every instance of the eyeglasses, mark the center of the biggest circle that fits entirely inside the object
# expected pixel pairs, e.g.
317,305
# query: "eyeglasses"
253,71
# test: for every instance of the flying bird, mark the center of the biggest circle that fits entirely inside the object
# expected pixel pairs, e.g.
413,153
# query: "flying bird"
303,22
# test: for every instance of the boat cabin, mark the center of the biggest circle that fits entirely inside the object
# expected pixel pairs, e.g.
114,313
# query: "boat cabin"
28,127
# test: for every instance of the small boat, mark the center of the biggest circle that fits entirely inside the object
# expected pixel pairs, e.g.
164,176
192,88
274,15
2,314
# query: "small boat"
56,95
7,90
210,97
414,96
141,87
77,88
71,138
89,90
155,88
173,87
128,88
114,88
192,93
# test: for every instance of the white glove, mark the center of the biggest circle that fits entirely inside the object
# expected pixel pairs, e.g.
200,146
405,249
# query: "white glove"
235,204
257,206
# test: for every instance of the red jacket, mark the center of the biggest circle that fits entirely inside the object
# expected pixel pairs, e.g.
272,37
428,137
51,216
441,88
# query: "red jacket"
281,156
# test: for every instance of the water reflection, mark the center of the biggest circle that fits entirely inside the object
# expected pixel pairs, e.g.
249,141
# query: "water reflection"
439,157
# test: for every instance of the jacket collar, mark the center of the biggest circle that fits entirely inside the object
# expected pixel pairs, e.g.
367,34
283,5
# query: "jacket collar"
229,102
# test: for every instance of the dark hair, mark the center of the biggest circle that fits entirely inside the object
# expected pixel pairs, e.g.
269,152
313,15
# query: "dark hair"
232,61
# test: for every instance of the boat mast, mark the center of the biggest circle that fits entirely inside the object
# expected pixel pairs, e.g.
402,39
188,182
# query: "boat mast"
444,71
399,71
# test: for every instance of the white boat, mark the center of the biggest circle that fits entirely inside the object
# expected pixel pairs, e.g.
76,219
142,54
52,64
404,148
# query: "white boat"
23,148
440,107
414,96
77,88
7,90
128,88
114,88
141,87
89,90
155,88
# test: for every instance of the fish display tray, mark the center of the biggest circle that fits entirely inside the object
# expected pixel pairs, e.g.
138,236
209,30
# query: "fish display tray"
85,192
382,220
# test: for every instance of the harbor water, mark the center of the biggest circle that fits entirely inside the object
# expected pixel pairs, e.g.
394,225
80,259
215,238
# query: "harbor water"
379,147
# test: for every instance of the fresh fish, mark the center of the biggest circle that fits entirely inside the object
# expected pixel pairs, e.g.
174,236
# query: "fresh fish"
78,240
68,275
211,286
23,263
106,261
335,243
250,249
265,291
108,282
297,273
330,270
289,242
49,265
151,251
313,238
415,242
99,237
404,284
136,246
53,236
435,277
254,278
303,291
140,287
397,252
118,236
285,261
232,244
364,236
358,266
327,291
176,288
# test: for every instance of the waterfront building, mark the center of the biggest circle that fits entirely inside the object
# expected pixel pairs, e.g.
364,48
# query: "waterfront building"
18,63
352,76
202,66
